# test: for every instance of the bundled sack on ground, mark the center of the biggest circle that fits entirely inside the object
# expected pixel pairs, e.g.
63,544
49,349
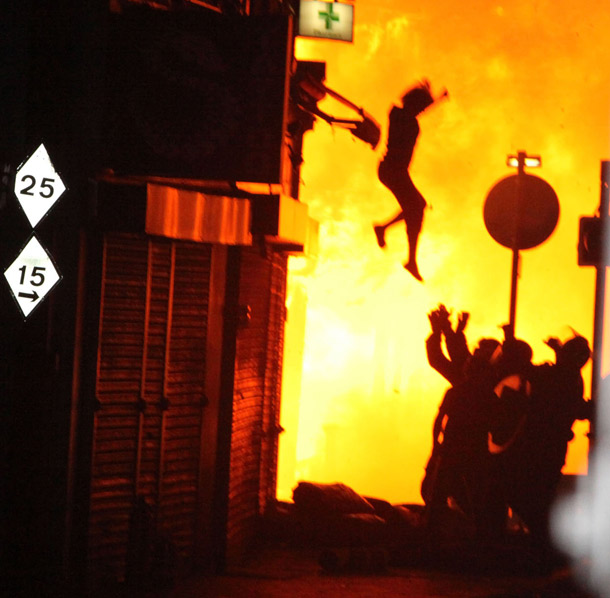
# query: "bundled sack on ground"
335,514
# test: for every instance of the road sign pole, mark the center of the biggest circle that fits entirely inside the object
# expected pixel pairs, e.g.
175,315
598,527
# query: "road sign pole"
600,291
506,207
512,316
513,295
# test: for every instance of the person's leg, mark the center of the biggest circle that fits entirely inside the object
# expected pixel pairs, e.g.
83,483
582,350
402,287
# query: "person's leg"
389,176
381,228
412,204
414,218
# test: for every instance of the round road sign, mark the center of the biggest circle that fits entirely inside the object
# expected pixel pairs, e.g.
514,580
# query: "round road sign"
525,224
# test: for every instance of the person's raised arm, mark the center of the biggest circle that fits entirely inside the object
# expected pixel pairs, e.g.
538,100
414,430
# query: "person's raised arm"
434,347
457,345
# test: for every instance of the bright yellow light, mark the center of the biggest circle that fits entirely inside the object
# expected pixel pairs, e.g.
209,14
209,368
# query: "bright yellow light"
529,161
364,407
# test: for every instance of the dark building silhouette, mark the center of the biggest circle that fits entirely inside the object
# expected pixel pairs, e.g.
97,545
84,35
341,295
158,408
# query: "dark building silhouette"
140,399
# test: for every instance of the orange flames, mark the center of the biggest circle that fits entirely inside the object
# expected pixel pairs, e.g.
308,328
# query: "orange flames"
521,76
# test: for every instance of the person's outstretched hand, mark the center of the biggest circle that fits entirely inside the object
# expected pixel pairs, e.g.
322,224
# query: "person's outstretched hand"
462,321
554,343
443,315
435,321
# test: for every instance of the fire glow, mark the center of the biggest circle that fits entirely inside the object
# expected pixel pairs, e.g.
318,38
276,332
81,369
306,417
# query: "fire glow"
521,76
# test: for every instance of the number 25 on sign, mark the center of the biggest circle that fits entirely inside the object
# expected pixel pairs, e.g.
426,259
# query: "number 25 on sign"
37,185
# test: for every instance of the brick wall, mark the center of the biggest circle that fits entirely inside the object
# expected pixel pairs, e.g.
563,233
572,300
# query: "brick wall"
256,396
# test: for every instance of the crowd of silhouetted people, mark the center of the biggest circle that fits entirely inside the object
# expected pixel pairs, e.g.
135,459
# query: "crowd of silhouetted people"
501,434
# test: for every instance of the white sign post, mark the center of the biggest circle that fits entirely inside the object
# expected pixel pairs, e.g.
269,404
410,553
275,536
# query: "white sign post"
37,185
31,276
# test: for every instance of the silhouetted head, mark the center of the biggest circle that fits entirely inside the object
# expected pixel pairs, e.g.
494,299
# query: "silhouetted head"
516,355
487,349
418,98
483,357
575,352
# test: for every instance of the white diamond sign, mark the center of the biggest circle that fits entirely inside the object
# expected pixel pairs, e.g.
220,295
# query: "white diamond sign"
37,185
31,276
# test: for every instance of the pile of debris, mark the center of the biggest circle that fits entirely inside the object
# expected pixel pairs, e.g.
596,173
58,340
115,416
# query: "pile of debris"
352,531
363,534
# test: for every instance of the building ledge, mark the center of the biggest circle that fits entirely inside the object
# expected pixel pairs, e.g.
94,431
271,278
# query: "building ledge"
196,216
224,212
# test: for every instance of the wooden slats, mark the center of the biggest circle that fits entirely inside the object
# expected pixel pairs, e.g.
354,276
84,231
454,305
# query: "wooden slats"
150,388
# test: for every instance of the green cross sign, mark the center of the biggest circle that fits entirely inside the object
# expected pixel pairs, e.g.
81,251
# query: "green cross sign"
329,16
326,19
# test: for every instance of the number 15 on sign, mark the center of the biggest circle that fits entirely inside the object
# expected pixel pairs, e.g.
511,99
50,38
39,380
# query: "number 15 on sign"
31,276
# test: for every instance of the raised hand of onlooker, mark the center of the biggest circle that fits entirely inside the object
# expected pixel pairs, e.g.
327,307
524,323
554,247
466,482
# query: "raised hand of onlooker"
462,321
435,321
554,343
443,315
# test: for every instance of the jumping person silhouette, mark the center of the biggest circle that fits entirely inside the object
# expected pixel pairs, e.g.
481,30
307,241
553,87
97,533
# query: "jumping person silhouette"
393,169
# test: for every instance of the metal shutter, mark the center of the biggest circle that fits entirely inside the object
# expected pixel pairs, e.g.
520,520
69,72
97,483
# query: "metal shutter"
150,397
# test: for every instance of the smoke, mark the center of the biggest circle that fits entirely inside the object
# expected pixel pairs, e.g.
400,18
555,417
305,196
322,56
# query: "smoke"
521,76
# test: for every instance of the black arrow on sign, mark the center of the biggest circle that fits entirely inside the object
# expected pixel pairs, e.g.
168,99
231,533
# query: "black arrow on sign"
33,295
